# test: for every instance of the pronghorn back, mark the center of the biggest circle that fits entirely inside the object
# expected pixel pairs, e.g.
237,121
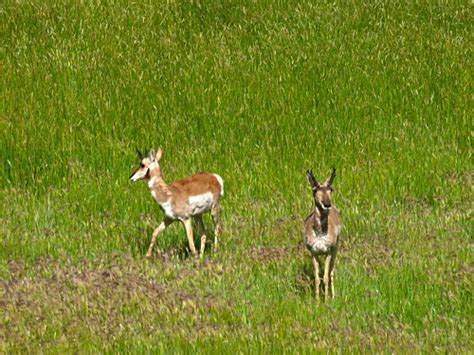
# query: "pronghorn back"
199,184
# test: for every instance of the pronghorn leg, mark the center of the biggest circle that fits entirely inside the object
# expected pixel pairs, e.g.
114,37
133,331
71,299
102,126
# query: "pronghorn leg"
189,233
317,281
202,233
327,267
161,227
215,212
333,259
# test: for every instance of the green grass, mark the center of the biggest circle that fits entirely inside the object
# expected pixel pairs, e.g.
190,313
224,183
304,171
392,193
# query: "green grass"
257,91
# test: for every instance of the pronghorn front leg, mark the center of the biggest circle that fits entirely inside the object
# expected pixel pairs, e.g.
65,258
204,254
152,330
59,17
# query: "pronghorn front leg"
333,259
161,227
215,212
202,233
189,232
327,268
317,281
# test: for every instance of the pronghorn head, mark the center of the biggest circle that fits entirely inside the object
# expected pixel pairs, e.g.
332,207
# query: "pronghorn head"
147,163
321,192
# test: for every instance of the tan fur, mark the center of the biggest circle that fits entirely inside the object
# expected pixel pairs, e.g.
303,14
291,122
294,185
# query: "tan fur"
181,190
321,234
182,199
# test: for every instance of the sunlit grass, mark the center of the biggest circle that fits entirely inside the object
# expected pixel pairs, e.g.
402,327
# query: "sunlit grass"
257,92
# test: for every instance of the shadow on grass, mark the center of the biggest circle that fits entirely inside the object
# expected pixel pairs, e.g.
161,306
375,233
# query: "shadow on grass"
304,281
176,245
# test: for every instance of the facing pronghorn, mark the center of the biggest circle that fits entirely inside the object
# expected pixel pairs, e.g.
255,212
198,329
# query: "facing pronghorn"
183,199
321,232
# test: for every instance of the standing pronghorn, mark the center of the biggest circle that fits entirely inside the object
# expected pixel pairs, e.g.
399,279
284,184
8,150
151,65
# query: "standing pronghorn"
183,199
321,232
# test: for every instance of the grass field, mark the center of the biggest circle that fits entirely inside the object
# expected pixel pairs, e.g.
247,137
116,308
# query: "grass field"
257,91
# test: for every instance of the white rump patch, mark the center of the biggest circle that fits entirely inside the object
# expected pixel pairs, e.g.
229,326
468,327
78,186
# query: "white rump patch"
220,180
200,203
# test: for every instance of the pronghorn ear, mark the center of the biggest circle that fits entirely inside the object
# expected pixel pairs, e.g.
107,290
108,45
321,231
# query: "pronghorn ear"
152,154
158,154
312,181
330,179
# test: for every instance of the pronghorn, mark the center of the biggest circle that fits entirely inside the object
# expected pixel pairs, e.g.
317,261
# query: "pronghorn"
321,232
183,199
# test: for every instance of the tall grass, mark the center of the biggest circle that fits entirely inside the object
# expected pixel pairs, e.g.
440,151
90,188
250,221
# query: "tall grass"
257,92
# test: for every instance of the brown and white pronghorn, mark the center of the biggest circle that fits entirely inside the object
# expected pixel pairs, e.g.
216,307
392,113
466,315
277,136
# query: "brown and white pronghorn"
182,199
321,232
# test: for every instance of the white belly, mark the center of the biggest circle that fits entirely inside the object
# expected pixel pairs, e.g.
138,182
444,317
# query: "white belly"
200,203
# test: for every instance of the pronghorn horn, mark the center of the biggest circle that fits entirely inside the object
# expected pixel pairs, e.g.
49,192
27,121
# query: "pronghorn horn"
331,178
311,179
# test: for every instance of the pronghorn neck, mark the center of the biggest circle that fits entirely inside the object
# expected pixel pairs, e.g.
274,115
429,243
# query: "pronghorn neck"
321,217
157,185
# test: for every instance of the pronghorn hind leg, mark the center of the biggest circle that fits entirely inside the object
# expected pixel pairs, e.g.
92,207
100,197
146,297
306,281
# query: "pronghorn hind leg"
166,222
317,281
215,212
202,233
189,233
327,267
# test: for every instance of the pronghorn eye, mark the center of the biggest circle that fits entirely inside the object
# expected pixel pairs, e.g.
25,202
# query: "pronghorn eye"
142,165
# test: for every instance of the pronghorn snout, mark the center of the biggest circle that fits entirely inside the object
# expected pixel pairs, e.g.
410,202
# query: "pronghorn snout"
326,201
133,177
138,174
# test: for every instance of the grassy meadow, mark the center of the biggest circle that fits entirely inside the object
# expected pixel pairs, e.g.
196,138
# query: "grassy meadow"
258,92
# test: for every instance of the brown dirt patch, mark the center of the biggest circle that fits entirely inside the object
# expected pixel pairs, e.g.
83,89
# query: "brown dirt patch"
275,254
106,298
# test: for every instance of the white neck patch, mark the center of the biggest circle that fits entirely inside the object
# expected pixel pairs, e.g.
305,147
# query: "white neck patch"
151,182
